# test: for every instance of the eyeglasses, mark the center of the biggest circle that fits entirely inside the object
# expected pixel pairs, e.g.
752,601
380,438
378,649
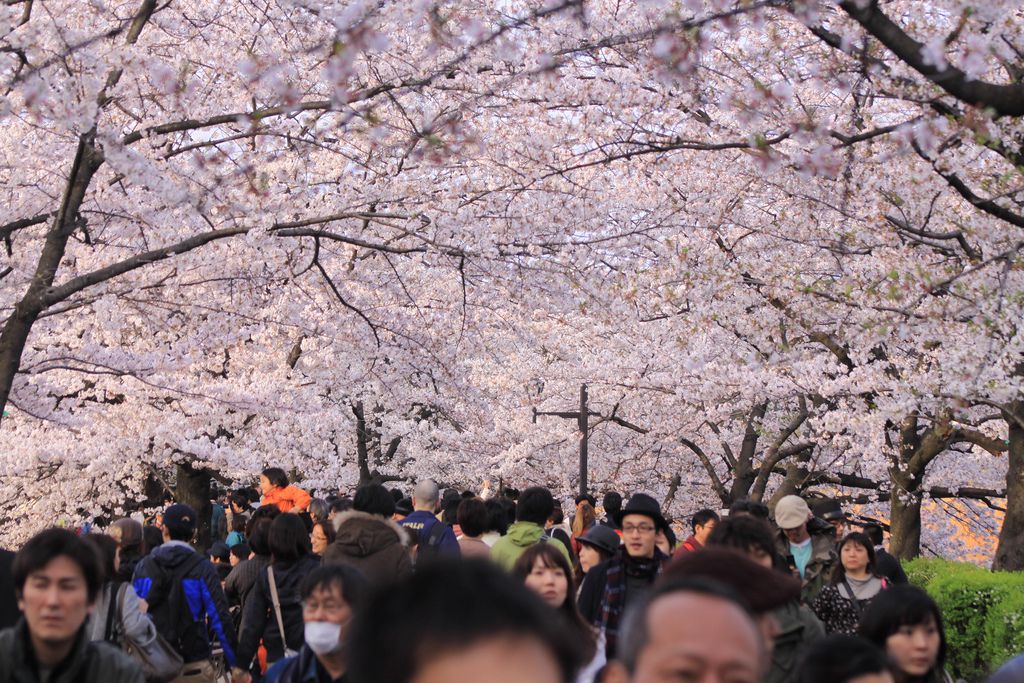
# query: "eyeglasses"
638,529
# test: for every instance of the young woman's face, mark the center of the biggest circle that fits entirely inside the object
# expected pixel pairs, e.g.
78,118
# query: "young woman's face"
915,649
265,484
854,557
589,557
550,583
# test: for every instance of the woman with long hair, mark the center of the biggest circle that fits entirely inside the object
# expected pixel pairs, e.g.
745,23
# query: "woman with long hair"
292,559
907,624
544,569
855,583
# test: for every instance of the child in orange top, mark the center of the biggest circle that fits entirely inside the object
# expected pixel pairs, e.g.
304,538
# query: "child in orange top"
276,491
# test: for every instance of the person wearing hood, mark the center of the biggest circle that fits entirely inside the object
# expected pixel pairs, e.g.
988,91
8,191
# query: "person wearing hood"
174,578
532,512
609,588
369,540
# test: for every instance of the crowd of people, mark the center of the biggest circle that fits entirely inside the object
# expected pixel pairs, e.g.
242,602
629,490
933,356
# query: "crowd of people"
380,588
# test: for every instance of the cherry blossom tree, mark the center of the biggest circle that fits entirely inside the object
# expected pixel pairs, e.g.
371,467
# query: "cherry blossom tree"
363,241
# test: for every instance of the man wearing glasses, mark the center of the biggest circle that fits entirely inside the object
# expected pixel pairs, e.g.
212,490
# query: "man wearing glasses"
332,595
609,588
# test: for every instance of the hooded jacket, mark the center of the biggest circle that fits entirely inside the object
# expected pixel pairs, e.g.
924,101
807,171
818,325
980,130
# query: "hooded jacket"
519,537
259,620
203,595
376,546
88,662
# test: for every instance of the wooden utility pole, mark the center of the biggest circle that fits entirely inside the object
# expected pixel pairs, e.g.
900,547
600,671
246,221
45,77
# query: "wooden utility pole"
582,417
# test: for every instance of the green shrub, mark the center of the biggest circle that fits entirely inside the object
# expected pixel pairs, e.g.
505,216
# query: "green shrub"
922,570
1004,629
982,613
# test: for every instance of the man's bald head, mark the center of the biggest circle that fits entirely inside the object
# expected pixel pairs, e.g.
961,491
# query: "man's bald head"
425,495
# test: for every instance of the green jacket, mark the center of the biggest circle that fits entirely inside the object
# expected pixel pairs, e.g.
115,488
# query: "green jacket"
819,569
798,628
89,662
521,536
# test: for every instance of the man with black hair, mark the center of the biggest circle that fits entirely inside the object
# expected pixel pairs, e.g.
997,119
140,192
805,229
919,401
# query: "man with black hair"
750,508
612,586
461,621
430,536
702,524
332,596
885,564
612,504
56,577
185,597
532,511
688,629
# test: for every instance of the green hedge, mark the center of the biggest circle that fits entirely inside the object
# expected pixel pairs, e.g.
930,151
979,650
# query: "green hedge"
983,613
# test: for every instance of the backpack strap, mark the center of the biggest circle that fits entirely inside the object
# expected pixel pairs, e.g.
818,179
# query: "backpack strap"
433,539
169,580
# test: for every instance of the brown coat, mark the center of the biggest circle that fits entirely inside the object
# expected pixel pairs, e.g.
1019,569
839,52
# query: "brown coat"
376,546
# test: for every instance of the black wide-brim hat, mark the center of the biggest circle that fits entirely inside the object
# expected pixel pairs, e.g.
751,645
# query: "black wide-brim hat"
642,504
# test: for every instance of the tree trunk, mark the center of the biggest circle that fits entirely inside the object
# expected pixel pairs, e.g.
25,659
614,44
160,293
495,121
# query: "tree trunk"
193,488
905,519
1010,551
17,328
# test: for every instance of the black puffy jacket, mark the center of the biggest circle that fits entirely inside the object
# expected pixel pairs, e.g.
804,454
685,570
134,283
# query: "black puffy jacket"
87,662
259,620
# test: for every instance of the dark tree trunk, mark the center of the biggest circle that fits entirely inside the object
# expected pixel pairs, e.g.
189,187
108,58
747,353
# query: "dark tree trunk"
905,518
1010,551
193,489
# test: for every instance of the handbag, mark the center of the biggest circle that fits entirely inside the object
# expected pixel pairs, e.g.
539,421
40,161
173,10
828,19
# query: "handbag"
160,662
288,652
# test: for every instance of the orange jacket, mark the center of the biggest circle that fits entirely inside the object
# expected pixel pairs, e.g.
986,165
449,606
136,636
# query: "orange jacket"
286,498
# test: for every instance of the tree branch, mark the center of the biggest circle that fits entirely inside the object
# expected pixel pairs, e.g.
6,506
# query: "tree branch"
60,293
1005,100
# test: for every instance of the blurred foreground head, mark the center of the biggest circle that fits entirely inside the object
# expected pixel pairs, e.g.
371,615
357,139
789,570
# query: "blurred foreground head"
689,629
461,620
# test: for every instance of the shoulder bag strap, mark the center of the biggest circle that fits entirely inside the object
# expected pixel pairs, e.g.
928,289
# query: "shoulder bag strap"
276,601
121,592
108,630
853,598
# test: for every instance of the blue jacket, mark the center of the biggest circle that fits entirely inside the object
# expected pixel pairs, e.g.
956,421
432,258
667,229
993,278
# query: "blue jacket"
419,524
203,595
302,668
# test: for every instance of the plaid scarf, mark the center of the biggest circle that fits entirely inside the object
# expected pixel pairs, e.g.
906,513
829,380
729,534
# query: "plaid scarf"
613,603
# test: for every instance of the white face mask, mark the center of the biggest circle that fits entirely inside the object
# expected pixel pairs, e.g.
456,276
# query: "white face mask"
323,637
